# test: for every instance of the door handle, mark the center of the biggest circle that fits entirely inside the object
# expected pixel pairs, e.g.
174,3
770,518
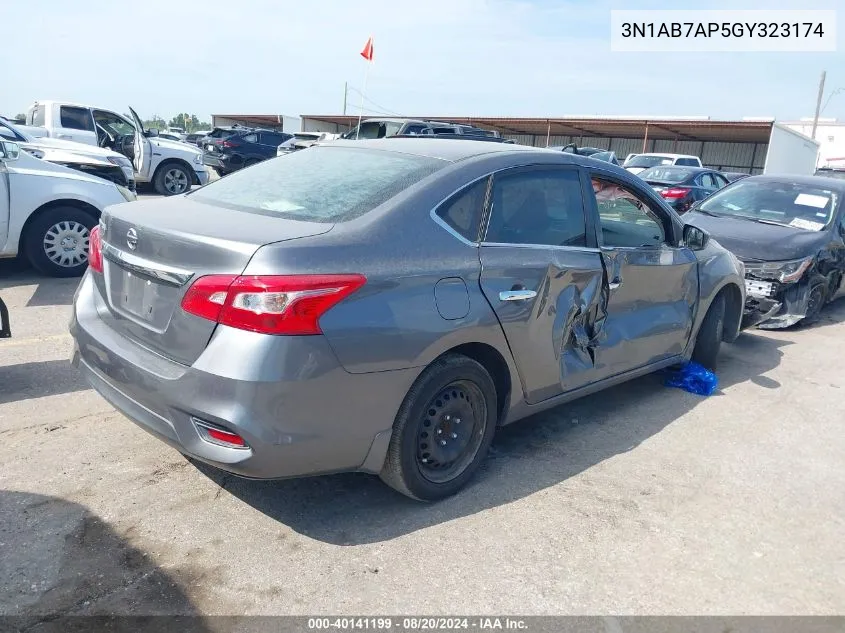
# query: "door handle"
517,295
63,136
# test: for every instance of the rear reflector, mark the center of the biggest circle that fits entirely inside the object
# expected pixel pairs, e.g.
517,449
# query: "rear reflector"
95,250
675,192
217,435
269,304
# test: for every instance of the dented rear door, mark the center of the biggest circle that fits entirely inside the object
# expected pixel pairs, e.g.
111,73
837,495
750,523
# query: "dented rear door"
542,274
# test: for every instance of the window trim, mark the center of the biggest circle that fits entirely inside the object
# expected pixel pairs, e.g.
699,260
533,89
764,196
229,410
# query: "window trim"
435,215
672,232
592,244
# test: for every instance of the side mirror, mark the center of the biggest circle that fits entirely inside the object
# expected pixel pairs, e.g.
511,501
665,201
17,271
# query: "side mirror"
152,132
695,238
9,150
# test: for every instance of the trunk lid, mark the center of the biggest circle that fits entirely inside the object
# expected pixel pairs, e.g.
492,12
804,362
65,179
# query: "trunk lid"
154,250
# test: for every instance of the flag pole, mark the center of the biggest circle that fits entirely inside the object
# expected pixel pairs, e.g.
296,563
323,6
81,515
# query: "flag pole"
364,91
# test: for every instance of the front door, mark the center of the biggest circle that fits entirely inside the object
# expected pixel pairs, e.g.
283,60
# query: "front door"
142,158
652,283
542,274
5,197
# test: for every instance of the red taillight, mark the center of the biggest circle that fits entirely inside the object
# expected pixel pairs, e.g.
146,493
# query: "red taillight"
675,192
95,250
226,437
270,304
227,144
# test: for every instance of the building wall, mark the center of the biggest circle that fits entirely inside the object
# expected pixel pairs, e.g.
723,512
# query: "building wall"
830,135
743,157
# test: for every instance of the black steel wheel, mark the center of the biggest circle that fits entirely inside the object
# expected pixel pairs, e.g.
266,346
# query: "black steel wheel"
443,429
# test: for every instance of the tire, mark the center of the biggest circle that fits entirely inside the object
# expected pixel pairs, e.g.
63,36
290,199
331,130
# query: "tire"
56,242
172,179
709,338
453,390
815,302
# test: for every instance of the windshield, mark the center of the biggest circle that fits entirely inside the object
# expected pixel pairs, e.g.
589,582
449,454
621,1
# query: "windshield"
323,184
788,203
648,161
375,129
665,174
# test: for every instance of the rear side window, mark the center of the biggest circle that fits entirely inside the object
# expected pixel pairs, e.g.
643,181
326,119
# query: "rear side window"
324,184
687,162
37,116
76,118
463,211
250,138
538,207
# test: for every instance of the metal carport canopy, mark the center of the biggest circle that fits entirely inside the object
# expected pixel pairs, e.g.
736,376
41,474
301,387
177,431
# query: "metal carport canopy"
691,129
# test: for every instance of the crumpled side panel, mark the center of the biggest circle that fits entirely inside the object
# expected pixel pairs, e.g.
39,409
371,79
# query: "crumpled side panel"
794,306
574,333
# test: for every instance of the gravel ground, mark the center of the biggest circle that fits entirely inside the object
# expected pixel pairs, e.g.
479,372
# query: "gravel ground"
639,500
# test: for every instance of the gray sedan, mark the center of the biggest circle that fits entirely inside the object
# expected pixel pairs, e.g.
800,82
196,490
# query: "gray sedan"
383,306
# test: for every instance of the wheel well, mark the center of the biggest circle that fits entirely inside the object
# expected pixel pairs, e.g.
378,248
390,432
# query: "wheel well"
78,204
495,364
177,161
733,310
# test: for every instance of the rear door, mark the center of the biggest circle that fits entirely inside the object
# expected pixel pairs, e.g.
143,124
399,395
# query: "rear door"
541,272
143,148
76,124
652,283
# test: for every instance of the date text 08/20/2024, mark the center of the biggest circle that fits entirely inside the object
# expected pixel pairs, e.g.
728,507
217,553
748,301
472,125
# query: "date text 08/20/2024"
416,624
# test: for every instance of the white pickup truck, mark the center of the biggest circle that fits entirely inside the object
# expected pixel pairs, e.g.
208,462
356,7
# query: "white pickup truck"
171,167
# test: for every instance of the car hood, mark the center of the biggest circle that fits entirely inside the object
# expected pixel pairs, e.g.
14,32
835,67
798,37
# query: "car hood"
753,240
176,146
71,155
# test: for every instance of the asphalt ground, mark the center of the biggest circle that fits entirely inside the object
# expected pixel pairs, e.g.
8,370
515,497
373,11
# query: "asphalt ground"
642,499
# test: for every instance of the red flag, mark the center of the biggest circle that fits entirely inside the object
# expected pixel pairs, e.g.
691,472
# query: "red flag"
367,53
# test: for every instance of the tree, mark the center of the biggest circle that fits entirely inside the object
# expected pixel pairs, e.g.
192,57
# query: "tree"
188,122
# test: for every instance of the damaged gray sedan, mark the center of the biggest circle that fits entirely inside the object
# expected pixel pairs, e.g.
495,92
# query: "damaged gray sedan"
383,306
788,230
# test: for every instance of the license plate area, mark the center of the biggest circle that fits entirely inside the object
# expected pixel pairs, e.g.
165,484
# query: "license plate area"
139,298
759,288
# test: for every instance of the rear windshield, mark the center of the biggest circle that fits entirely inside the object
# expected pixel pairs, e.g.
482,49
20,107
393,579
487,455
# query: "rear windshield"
320,184
788,203
665,174
648,161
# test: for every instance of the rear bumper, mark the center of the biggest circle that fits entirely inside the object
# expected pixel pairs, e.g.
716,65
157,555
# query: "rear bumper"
299,411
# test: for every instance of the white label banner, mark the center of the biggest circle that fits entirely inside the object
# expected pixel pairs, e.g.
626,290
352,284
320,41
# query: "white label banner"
723,31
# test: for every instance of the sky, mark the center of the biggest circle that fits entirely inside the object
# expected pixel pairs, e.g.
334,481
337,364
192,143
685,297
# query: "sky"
541,58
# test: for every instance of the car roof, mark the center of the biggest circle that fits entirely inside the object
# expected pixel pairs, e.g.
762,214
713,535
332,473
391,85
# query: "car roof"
457,150
690,168
668,154
836,184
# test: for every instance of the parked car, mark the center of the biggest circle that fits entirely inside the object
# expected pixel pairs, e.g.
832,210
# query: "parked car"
831,172
682,187
628,159
734,175
641,162
788,230
382,128
301,140
196,138
593,152
170,137
96,161
47,211
172,167
243,149
275,309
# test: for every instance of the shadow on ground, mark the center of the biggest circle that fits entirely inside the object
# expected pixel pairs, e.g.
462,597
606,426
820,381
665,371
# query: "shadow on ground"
63,569
23,381
526,457
49,291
